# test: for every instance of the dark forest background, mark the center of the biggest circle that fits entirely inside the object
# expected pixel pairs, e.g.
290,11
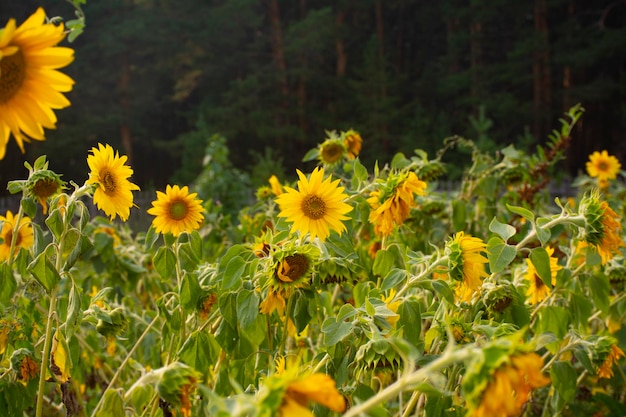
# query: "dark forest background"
160,79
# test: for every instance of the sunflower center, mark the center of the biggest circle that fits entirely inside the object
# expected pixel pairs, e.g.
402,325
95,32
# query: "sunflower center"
9,237
332,153
108,182
313,206
603,166
45,188
292,268
539,282
178,210
12,75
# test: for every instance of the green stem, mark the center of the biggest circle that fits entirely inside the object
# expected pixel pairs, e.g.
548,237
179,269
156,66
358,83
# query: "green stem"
124,363
428,270
409,381
45,353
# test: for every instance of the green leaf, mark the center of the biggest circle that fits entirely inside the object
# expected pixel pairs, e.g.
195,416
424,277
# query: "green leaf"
360,172
443,290
553,319
8,284
232,273
189,291
410,320
16,186
113,404
500,254
44,271
563,378
383,262
335,332
393,278
247,308
600,290
74,311
151,237
165,262
55,223
505,231
541,261
228,307
542,234
525,213
29,206
200,351
79,248
311,155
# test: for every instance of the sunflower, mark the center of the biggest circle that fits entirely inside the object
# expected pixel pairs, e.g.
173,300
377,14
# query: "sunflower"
603,166
392,202
538,290
466,264
44,184
510,386
273,301
603,229
24,238
316,207
606,369
331,151
353,142
176,211
108,171
30,85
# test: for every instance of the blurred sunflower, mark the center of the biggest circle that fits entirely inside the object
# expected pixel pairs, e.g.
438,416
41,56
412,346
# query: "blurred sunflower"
316,207
466,264
352,142
602,229
30,85
277,189
108,171
332,151
392,202
176,211
44,184
510,386
603,166
23,239
537,289
613,356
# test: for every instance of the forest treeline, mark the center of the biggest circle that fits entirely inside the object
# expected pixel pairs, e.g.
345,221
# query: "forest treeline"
158,79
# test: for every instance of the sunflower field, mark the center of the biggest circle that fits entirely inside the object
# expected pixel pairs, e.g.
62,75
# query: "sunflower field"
354,291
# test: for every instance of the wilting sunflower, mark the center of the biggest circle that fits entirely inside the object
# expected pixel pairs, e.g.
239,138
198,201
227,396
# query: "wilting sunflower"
537,289
603,166
30,85
273,301
176,211
108,171
293,391
316,207
392,202
466,264
603,229
606,369
353,142
44,184
24,238
510,386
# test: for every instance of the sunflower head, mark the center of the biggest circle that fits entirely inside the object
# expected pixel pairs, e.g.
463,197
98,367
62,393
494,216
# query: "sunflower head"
331,151
603,166
538,290
109,174
607,353
30,85
176,384
466,264
289,266
44,184
352,142
24,364
23,234
263,193
602,227
176,211
316,207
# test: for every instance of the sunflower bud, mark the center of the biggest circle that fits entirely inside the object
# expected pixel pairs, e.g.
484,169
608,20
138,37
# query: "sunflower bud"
116,326
176,384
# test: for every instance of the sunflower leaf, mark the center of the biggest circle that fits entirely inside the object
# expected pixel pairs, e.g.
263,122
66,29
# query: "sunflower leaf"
541,261
500,254
505,231
44,271
8,285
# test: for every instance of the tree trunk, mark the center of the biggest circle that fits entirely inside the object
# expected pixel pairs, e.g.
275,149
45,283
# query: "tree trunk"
302,93
123,87
476,52
342,57
278,52
542,94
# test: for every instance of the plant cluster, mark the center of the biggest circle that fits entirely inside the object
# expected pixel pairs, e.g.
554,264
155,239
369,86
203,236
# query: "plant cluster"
352,292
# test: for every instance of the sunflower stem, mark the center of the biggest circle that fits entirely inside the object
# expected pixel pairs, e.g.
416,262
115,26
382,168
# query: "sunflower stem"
288,310
45,353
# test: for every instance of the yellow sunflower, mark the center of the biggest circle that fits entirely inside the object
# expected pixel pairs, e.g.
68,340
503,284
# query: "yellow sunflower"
353,142
176,211
466,264
316,207
392,203
319,388
606,369
108,171
30,85
510,386
603,166
331,151
537,290
603,231
24,238
277,189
